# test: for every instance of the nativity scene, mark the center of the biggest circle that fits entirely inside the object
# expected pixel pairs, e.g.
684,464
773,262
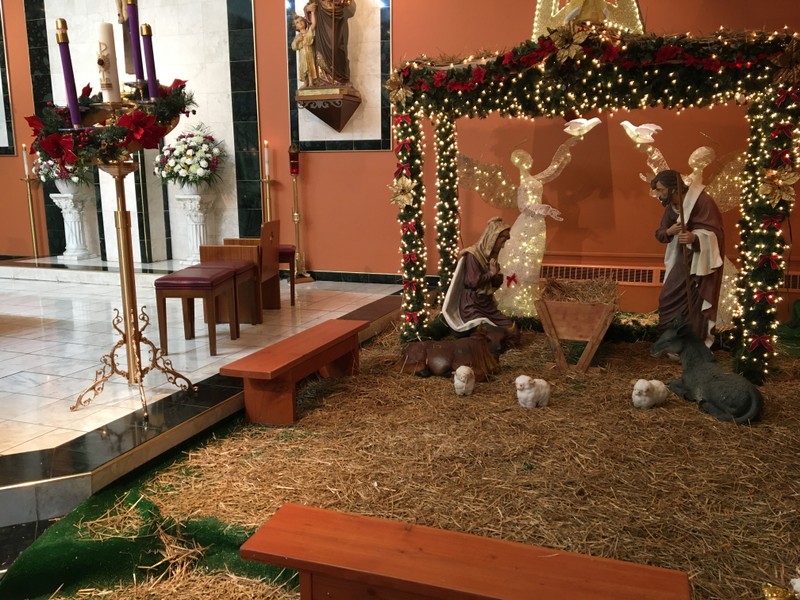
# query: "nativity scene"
576,360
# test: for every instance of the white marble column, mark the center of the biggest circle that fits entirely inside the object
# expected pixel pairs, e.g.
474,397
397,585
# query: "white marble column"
72,210
196,208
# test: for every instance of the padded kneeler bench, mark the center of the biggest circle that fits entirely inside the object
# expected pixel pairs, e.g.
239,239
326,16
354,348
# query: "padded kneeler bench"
197,281
249,302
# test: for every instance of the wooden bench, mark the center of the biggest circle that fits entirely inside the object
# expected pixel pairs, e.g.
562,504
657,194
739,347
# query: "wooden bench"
271,374
343,555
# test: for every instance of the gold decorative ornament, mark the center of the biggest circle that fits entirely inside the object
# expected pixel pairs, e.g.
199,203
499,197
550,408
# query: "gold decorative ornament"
773,592
789,63
622,14
779,184
569,43
398,92
402,191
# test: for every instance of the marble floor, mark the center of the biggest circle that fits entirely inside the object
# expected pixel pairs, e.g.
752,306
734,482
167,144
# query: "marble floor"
55,325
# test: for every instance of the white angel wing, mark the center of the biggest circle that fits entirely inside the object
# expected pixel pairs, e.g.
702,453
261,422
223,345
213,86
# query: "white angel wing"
726,187
489,180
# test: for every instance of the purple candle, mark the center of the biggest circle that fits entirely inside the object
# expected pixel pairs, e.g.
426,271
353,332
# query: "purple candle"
133,27
149,61
62,37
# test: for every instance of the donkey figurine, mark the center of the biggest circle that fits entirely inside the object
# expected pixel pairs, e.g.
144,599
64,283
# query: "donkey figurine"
726,396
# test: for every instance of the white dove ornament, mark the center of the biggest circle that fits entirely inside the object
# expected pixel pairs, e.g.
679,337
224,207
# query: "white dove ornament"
580,127
641,134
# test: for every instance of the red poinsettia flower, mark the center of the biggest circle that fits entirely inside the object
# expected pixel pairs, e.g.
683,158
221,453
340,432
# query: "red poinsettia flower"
36,124
142,128
176,83
59,148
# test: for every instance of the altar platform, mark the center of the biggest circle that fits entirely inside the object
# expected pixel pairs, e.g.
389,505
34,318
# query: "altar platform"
55,324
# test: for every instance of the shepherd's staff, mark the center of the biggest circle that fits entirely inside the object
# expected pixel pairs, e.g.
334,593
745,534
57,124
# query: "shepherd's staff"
685,249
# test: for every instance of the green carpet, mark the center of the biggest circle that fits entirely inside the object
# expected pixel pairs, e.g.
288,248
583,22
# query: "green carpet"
67,558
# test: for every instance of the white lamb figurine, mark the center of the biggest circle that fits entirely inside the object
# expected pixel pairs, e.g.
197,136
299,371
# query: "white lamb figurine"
464,381
531,392
647,394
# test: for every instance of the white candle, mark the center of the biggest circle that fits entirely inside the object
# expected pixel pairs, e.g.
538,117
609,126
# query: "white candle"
25,161
107,63
266,159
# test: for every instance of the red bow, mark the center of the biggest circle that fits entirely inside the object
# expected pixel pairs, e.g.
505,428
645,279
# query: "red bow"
410,226
403,169
410,257
782,128
402,119
781,156
412,316
761,340
410,285
407,145
762,295
772,222
511,279
787,92
772,259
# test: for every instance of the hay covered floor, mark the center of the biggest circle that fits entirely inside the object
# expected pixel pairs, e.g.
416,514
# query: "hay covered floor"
670,486
589,473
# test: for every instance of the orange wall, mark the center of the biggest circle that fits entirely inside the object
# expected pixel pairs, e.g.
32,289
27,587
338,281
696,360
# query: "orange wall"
15,229
347,222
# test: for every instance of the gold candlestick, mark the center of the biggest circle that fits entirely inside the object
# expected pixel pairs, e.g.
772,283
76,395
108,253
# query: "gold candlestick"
27,181
131,334
266,203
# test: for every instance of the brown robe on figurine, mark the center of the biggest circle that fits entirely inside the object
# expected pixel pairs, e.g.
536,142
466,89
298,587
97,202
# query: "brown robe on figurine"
703,259
469,301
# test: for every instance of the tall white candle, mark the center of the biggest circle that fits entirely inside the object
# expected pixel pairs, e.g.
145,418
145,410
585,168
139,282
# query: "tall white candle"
107,63
266,159
25,161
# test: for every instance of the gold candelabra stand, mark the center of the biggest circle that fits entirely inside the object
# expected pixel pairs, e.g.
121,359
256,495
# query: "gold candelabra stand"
299,260
31,214
266,203
131,333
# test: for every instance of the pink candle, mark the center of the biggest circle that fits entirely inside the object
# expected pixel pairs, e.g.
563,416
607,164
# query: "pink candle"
149,60
133,28
62,37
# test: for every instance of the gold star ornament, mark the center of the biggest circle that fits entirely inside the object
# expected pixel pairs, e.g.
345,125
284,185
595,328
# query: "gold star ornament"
552,14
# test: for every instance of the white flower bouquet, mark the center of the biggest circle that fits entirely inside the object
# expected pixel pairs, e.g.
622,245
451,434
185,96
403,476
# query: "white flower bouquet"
47,169
194,158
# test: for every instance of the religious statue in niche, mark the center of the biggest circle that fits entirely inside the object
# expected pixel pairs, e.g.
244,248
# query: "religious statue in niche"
321,42
303,44
522,257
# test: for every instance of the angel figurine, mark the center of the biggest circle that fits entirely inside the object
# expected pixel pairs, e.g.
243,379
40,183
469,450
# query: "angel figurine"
521,257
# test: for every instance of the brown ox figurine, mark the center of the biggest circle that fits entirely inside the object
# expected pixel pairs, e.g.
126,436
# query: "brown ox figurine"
445,356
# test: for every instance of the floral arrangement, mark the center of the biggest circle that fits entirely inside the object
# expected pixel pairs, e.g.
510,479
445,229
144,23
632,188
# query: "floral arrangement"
64,151
47,169
193,158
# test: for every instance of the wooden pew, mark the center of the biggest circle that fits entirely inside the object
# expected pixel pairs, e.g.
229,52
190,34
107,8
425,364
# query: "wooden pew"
348,556
271,374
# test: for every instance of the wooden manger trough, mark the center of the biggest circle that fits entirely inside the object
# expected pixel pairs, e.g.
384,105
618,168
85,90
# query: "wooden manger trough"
576,311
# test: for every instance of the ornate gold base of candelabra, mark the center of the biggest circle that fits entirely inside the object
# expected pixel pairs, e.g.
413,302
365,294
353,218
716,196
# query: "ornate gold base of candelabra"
110,364
131,335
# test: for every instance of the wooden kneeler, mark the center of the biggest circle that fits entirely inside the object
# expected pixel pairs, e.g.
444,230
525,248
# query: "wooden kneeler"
574,321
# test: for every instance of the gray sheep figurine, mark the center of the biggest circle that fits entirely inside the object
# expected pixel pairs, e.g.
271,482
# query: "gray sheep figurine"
726,396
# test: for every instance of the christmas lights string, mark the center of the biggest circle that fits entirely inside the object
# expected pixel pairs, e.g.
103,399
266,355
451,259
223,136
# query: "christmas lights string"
594,67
